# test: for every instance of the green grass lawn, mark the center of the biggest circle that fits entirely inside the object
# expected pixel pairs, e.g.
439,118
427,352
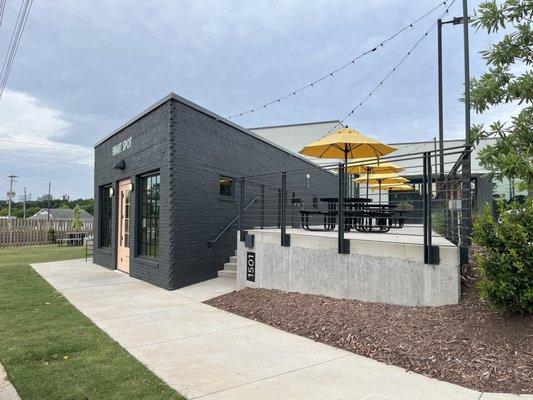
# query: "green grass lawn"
52,351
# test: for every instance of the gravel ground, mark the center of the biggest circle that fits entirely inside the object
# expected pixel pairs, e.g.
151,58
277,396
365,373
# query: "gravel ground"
467,344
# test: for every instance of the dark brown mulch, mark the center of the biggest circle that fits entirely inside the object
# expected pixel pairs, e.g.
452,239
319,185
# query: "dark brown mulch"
467,344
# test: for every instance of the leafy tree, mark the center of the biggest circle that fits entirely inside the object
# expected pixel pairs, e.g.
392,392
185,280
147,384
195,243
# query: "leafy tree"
512,155
505,262
76,224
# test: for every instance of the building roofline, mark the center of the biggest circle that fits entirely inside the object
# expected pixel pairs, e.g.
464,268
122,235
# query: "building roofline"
135,118
174,96
300,124
427,141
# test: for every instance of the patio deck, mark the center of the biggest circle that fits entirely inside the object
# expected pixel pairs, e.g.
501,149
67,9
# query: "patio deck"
409,234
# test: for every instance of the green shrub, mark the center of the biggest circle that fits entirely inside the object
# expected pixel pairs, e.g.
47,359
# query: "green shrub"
505,264
76,224
52,235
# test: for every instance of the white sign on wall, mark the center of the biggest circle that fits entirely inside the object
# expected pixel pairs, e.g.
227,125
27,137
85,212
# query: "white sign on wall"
122,146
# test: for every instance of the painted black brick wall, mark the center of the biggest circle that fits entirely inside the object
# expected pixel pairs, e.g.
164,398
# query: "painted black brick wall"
191,149
150,150
206,148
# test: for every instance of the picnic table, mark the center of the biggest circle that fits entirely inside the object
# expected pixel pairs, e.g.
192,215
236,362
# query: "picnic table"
330,216
359,214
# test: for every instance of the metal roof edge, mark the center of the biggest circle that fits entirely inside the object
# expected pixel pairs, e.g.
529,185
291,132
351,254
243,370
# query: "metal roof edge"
174,96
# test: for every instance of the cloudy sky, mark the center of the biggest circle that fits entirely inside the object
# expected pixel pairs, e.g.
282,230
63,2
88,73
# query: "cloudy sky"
85,67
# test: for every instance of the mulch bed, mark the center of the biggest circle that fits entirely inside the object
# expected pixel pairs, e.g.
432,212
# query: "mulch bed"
466,344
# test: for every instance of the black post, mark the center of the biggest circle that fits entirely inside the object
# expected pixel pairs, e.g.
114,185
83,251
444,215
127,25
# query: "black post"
262,206
242,233
424,206
279,208
284,237
343,245
441,112
428,196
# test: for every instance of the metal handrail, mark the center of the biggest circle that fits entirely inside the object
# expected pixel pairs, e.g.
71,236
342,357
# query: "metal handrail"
210,243
457,164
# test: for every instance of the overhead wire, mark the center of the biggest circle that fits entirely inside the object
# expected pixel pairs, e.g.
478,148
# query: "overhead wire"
390,73
2,9
14,43
340,68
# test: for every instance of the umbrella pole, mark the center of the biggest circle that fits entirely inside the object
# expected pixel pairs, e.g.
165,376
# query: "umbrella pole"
367,171
380,191
345,170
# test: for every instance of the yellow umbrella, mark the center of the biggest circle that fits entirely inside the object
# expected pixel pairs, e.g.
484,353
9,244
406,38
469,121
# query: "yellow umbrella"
347,143
380,179
401,187
372,165
386,179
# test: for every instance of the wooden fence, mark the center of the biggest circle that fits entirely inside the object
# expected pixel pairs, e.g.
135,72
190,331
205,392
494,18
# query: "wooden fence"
27,232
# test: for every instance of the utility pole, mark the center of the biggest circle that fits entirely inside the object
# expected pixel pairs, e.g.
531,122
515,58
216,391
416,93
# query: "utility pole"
49,188
10,194
24,205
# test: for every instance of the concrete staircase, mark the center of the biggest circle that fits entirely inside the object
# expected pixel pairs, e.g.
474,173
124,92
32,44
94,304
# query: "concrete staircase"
230,269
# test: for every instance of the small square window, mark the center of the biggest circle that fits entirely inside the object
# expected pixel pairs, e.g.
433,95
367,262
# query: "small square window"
226,186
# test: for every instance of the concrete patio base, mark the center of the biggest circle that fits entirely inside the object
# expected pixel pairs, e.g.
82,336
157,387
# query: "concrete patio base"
207,353
380,267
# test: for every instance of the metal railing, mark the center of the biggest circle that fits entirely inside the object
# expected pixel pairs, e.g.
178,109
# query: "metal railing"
212,242
435,214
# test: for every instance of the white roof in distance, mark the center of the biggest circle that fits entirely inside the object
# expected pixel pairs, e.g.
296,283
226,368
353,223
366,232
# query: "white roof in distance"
295,137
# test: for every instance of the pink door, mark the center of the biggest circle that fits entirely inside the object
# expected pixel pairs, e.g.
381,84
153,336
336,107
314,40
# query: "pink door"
123,234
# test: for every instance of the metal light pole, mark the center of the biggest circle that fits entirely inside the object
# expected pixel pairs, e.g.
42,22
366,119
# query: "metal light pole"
440,22
441,116
466,226
466,223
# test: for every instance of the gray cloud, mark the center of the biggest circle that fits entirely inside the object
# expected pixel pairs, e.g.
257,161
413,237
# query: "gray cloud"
98,63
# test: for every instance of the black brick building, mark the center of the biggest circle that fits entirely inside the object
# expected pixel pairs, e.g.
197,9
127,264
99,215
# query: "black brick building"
164,188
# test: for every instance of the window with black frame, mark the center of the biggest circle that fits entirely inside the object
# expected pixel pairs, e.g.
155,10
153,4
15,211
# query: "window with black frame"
149,216
226,187
106,204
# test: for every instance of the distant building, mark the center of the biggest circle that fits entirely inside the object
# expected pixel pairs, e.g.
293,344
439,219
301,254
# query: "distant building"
59,213
65,197
21,197
45,197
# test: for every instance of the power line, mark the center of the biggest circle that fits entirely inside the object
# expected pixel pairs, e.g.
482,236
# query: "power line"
390,73
14,43
338,69
17,128
43,144
2,9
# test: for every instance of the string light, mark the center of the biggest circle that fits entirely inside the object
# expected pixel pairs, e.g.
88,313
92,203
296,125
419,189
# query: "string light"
390,73
345,65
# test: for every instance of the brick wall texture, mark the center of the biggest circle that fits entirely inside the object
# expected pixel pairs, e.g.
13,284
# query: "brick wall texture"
191,149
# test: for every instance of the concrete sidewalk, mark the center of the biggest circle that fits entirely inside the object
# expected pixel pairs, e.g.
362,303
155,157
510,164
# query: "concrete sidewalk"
203,352
7,391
